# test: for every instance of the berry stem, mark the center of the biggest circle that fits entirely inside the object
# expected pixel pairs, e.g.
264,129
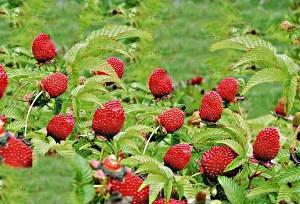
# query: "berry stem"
148,141
196,174
255,174
29,110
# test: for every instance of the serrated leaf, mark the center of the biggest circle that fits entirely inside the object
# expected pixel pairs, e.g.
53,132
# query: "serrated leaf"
87,193
138,159
150,168
15,125
40,146
233,191
12,112
237,162
129,146
168,189
242,43
208,134
289,175
235,146
262,189
290,90
260,56
265,76
284,193
83,171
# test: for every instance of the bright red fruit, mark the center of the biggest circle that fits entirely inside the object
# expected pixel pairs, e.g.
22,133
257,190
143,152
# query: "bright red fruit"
196,80
43,48
3,80
15,153
55,84
160,83
171,119
171,201
211,107
215,160
129,187
109,119
116,64
280,109
228,88
266,145
178,156
61,126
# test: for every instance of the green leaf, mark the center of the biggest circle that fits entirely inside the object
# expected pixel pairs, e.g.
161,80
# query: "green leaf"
138,159
237,162
260,56
233,191
83,171
129,146
263,188
65,149
168,189
156,184
235,146
242,43
289,175
40,146
15,125
284,193
185,187
289,64
70,56
13,112
150,168
119,32
264,76
87,193
290,91
204,135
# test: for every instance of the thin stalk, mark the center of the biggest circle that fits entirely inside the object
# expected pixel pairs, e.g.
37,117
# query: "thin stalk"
28,113
148,141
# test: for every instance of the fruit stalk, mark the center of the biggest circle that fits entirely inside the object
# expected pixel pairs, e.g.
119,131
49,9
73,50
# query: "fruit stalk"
149,139
29,110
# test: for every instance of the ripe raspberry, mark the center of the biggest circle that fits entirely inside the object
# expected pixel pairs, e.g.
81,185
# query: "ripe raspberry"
55,84
228,88
215,160
196,81
109,119
280,109
211,107
171,119
129,187
178,156
171,201
3,80
116,64
160,83
43,48
60,126
266,145
15,153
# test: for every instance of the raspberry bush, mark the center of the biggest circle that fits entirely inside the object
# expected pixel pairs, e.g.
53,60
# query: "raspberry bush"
96,118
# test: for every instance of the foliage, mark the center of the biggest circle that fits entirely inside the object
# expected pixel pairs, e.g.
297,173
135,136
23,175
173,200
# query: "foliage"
201,37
